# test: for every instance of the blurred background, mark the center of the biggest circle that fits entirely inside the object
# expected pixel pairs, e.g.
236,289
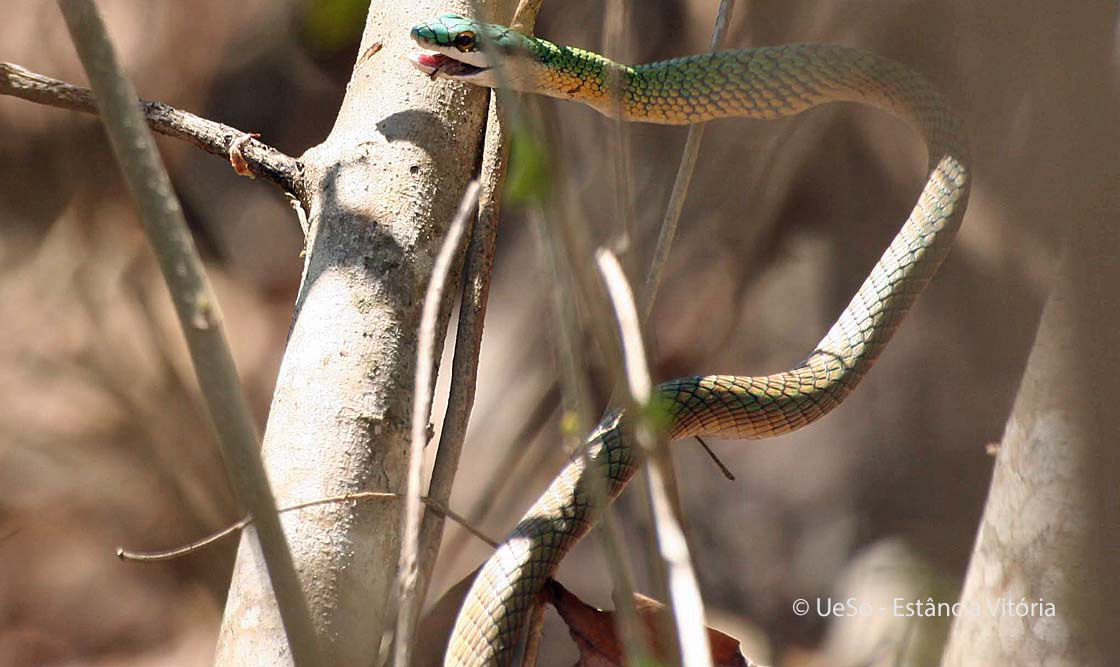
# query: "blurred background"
104,442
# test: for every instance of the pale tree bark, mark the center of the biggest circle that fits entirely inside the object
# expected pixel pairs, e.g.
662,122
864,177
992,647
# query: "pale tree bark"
1051,528
381,191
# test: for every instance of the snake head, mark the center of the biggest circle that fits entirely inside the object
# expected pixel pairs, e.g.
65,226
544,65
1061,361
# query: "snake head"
462,49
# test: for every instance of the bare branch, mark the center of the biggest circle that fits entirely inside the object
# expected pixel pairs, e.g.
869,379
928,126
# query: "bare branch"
216,138
408,571
477,267
198,312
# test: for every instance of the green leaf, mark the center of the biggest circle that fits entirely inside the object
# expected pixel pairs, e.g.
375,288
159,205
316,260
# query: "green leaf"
529,180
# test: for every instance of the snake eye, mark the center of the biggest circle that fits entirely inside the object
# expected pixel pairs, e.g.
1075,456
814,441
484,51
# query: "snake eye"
465,41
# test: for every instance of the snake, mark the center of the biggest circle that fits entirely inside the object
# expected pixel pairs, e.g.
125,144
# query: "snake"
766,82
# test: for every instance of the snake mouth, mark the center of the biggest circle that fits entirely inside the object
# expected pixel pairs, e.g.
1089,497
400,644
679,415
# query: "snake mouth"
435,64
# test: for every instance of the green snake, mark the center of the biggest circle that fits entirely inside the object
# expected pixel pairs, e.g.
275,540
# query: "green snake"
767,82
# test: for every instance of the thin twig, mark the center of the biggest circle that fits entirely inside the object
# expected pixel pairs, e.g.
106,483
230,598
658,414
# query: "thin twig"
614,45
10,534
171,554
408,569
198,313
689,155
185,550
212,137
715,459
685,600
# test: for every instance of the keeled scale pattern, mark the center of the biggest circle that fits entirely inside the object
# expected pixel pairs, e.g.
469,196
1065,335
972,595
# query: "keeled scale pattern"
769,82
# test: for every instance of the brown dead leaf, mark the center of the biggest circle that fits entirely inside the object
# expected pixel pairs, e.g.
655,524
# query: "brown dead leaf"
599,646
237,159
592,629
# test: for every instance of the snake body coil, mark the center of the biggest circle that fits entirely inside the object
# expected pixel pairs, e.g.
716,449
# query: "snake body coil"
768,82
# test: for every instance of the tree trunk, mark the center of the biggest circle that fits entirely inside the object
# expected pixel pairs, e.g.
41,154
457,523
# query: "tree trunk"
1051,528
381,191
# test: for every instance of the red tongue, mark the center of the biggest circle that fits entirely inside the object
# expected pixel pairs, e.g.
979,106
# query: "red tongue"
432,59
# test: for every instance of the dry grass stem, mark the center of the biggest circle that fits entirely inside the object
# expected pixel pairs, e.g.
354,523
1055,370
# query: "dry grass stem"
684,591
198,312
408,570
557,242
